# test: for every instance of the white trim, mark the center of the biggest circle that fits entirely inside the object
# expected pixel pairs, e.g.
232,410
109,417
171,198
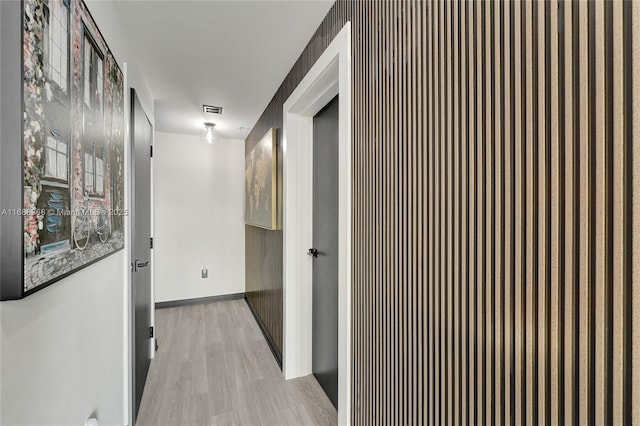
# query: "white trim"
128,332
152,253
330,76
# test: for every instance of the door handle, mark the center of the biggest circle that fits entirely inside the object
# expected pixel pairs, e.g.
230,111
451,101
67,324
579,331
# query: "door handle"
135,265
313,252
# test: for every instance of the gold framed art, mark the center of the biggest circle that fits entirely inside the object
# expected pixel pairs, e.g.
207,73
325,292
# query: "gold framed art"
261,183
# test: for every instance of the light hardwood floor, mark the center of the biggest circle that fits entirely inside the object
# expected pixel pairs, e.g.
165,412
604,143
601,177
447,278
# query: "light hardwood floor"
214,367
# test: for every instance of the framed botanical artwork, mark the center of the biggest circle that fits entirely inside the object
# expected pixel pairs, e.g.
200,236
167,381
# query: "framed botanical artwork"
72,146
260,183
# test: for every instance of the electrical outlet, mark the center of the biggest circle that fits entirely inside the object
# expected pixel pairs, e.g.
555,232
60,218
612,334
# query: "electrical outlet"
205,273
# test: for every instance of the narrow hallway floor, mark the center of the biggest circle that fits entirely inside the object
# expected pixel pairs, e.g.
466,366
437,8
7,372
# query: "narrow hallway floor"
214,367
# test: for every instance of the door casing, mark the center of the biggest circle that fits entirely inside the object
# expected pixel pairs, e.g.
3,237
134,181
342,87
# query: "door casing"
329,76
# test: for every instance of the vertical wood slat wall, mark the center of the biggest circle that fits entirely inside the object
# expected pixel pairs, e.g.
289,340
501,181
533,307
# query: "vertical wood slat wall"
496,150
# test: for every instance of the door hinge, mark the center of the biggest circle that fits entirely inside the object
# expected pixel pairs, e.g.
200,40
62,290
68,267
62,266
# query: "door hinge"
150,150
151,242
151,331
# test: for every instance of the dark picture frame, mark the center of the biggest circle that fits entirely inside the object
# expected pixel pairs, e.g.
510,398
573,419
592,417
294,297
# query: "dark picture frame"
68,214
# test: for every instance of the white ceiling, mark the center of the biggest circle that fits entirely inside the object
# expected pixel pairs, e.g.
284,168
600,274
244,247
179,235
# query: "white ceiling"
232,54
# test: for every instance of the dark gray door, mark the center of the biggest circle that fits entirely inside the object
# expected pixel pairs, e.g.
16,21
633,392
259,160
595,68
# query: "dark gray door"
325,241
141,303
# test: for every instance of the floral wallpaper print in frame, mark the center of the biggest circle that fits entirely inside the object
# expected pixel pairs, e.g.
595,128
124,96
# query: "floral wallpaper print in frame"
73,143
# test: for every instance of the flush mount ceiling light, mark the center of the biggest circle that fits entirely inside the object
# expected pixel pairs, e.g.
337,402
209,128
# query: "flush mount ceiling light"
208,134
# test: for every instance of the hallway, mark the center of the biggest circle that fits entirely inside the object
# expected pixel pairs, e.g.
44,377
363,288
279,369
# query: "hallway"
213,367
460,246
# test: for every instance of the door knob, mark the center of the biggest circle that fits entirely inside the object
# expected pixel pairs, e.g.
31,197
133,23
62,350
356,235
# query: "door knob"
313,252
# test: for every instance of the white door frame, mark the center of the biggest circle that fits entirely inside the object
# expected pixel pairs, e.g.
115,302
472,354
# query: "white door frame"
329,76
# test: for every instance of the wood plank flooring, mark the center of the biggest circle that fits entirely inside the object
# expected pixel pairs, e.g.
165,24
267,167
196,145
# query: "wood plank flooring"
214,367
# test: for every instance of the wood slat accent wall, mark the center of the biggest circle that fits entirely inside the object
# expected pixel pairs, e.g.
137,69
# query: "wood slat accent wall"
496,210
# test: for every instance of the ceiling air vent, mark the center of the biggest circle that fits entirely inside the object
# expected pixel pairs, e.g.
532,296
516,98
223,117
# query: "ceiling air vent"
212,109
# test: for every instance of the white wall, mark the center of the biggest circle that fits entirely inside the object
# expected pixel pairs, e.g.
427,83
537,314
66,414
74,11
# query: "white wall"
64,351
199,219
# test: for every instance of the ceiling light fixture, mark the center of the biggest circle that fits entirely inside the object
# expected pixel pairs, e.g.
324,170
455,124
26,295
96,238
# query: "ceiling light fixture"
207,134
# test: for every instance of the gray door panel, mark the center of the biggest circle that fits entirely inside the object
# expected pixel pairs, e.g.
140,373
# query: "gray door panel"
325,241
141,136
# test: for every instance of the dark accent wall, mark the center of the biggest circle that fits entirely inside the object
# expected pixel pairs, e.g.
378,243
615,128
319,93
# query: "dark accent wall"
263,248
496,221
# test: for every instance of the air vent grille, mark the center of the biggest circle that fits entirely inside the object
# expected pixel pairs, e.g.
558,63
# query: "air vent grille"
212,109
